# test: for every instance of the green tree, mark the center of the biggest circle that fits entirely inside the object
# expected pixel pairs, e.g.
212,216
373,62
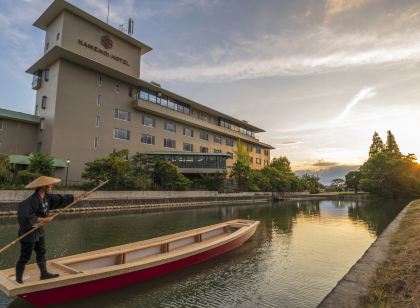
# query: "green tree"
181,182
142,170
165,174
311,183
352,180
377,145
338,184
282,164
115,167
241,169
391,144
389,175
213,182
278,181
5,170
42,164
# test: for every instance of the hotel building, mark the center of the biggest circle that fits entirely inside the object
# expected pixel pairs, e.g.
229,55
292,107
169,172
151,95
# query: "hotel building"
91,101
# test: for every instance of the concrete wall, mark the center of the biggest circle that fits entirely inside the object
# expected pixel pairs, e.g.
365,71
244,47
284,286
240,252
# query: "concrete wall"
19,195
17,137
76,28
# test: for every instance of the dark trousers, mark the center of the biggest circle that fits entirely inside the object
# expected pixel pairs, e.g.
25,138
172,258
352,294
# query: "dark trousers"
26,252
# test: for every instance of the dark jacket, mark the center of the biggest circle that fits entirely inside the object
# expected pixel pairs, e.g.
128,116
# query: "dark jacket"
31,208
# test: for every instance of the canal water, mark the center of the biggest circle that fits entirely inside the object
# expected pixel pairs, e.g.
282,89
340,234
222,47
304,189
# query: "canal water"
298,253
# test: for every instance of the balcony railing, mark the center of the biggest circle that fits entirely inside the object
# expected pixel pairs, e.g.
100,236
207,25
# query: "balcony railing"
36,82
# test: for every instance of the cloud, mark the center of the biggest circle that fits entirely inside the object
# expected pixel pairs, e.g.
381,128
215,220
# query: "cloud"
363,94
323,163
334,7
290,143
272,56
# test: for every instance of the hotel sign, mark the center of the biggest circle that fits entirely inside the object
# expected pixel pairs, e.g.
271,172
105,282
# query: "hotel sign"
107,43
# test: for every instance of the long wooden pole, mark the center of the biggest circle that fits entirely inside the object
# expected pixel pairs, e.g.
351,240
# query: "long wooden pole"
38,225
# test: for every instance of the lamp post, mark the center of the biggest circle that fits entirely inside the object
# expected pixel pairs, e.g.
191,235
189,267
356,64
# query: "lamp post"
67,169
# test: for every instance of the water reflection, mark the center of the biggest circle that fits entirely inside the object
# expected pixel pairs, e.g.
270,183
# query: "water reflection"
376,213
299,252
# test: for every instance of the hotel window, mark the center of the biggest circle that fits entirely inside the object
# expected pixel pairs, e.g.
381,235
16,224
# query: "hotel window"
258,150
266,152
158,98
46,74
217,139
204,150
57,37
144,95
204,136
188,147
266,162
188,132
169,143
95,143
44,102
121,134
130,91
164,101
99,100
258,161
170,127
98,121
38,147
100,80
217,151
249,148
122,115
117,88
149,121
230,154
251,160
229,142
147,139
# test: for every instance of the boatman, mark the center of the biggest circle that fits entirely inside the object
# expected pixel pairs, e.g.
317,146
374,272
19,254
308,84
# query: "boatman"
32,211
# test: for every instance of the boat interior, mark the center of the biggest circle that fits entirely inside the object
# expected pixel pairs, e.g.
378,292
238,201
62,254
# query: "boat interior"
139,252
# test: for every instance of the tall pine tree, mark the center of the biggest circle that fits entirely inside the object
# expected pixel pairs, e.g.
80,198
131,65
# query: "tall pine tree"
377,145
391,144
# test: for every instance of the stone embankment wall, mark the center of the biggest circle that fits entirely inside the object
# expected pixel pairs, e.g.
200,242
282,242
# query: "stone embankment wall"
144,200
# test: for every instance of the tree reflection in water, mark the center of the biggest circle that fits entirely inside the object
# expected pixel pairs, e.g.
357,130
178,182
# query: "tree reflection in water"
377,214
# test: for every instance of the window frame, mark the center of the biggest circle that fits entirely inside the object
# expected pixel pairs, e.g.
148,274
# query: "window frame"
188,144
166,128
44,102
115,134
172,141
190,129
149,117
117,113
147,136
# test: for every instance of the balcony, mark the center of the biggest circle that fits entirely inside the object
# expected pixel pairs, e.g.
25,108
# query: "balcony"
36,82
168,113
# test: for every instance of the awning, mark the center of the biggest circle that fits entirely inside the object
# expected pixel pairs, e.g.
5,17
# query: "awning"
16,159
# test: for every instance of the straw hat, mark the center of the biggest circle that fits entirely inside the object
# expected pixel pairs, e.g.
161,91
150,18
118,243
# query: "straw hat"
43,181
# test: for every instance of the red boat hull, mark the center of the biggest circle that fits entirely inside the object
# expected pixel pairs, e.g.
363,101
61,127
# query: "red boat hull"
77,291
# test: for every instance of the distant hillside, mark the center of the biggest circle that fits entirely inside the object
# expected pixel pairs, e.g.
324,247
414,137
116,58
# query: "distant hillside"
328,174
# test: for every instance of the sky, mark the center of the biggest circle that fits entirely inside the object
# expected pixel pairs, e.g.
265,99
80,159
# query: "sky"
318,76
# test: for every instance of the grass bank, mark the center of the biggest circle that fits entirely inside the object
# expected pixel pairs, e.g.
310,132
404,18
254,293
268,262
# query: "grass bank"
397,280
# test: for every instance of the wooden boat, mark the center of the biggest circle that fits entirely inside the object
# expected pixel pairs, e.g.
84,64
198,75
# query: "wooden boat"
115,267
